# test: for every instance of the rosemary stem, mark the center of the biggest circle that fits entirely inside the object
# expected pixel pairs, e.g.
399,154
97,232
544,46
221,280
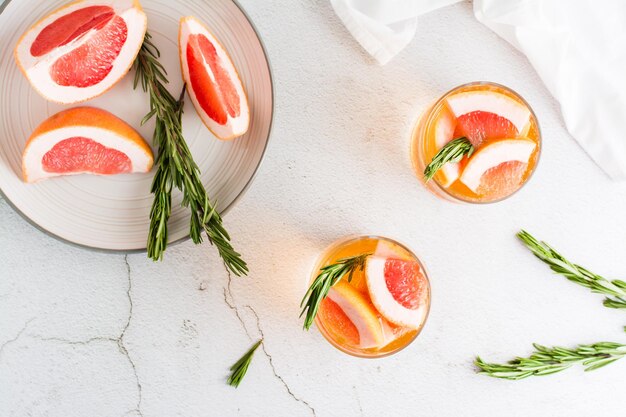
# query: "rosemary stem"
176,167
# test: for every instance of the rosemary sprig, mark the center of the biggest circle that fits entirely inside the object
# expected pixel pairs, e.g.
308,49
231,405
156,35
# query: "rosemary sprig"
453,151
176,167
614,289
328,276
240,367
549,360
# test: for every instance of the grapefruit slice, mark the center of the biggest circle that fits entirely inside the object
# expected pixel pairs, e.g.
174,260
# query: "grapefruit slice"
502,180
491,156
350,317
481,126
84,140
487,114
397,289
79,51
213,83
445,125
385,249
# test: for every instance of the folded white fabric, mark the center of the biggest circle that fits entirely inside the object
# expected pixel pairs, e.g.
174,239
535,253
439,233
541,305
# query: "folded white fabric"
578,49
384,27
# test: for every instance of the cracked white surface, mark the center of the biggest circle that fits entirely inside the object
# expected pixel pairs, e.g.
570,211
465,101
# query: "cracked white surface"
85,334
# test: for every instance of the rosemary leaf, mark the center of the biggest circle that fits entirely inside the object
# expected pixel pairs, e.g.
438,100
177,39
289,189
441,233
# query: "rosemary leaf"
175,167
546,360
453,151
615,289
328,276
240,367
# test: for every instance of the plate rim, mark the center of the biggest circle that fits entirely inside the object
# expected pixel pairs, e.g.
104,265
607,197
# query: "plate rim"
223,212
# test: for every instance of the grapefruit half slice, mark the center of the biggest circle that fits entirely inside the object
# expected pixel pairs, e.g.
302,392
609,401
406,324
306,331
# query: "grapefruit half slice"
81,50
492,155
397,288
350,317
84,140
212,81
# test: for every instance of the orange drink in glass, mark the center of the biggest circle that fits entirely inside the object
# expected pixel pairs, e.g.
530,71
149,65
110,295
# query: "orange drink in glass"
504,136
380,308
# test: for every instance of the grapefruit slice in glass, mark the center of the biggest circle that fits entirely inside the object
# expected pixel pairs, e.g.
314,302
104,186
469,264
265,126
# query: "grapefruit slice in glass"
444,126
397,289
81,50
385,249
350,317
212,81
486,159
84,140
483,115
502,180
481,126
485,101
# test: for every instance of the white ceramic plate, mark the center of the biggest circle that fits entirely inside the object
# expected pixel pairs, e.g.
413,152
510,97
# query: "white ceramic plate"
112,213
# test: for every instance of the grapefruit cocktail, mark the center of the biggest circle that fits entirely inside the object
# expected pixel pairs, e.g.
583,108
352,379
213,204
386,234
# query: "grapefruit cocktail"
479,143
380,305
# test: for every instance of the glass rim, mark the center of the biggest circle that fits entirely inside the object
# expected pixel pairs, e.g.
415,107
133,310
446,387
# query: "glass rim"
428,121
341,241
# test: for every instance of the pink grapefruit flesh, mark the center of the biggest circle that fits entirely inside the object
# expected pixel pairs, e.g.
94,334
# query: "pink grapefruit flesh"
334,318
80,154
502,180
217,98
351,318
403,282
69,27
397,289
478,126
88,64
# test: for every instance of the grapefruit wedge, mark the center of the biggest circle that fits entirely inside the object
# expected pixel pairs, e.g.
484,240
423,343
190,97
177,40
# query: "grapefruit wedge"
490,156
483,115
212,81
384,248
398,289
81,50
350,317
84,140
445,125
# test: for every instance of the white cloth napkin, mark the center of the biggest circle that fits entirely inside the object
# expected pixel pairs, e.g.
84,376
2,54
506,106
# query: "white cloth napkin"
384,27
578,49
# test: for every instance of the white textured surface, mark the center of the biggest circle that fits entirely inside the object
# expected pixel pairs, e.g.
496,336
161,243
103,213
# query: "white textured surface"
337,164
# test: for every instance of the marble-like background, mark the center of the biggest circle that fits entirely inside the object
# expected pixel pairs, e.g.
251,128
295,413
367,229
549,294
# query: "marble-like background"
86,334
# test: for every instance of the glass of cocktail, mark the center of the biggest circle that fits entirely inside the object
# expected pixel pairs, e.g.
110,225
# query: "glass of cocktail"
478,143
369,296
